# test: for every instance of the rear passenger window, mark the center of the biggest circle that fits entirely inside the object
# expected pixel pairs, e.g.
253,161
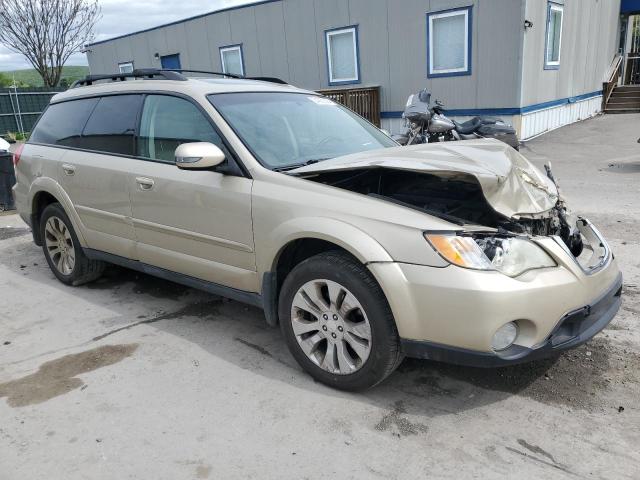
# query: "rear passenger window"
112,125
62,123
168,122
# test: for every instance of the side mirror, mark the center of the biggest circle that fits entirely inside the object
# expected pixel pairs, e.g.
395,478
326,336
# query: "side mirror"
198,155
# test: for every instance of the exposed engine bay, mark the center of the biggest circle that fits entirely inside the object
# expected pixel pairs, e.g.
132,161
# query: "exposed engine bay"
453,196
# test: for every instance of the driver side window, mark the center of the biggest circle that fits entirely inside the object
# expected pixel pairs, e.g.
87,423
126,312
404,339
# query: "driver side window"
171,121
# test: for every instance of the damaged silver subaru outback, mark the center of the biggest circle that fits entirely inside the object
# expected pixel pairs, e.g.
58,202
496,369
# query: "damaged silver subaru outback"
363,251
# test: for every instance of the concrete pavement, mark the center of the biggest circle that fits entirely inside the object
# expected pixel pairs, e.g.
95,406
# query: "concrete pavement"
134,377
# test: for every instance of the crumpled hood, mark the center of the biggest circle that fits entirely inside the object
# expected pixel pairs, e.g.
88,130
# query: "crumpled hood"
509,182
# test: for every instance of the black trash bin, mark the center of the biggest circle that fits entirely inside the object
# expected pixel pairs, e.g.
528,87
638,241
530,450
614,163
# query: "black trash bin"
7,181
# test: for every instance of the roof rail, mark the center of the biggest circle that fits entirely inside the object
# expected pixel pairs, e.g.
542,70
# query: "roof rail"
148,73
184,70
230,75
165,74
268,79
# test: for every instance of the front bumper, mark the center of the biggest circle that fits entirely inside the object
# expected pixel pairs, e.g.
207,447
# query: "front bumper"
452,313
574,329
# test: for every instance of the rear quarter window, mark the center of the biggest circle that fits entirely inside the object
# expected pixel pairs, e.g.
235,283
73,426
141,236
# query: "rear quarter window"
62,123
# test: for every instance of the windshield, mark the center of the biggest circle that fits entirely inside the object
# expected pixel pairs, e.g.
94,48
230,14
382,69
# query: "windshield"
286,130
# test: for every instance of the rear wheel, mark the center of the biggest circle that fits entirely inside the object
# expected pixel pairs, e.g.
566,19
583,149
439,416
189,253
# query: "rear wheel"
63,251
337,322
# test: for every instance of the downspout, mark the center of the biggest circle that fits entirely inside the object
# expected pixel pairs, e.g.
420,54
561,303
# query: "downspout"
517,119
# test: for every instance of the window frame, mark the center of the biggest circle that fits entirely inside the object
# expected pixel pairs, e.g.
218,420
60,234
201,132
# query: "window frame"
125,64
467,12
229,48
236,166
356,52
553,64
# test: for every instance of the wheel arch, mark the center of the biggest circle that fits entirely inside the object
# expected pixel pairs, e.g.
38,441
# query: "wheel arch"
43,192
303,238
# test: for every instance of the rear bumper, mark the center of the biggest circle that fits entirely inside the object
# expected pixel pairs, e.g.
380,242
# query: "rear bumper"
574,329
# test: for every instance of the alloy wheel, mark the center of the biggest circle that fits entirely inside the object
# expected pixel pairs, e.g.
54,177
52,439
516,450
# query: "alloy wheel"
60,245
331,326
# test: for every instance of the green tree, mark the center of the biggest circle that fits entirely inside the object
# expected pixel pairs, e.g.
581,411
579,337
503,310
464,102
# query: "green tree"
7,81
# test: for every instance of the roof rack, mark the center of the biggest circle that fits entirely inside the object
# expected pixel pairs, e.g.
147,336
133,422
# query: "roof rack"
230,75
149,73
163,74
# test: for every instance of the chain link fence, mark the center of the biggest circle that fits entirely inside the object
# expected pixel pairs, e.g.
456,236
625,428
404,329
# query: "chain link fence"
20,108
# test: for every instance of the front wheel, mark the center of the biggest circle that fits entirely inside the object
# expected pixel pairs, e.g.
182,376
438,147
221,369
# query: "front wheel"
63,251
337,323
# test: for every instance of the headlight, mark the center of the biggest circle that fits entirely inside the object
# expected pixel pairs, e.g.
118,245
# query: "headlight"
509,255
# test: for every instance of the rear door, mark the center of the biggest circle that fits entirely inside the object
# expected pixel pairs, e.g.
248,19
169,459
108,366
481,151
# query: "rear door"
95,174
197,223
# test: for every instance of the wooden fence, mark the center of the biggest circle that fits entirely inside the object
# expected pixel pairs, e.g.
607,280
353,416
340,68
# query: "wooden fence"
19,110
364,101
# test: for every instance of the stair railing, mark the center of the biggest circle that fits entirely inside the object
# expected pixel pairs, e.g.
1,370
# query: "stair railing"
611,80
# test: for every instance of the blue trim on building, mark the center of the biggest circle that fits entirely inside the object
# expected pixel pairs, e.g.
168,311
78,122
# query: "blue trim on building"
561,101
506,111
241,57
195,17
326,54
468,71
546,36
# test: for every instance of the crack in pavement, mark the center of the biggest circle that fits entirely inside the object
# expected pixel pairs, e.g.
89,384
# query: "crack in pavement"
198,309
545,462
536,449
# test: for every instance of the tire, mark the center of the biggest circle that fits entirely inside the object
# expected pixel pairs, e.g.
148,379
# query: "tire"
59,241
362,336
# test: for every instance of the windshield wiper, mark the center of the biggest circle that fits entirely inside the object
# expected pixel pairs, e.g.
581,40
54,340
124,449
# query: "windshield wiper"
298,165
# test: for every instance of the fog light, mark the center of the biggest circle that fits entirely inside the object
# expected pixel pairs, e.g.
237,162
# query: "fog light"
505,336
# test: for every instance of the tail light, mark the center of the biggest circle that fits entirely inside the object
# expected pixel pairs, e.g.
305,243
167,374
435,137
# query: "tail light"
17,154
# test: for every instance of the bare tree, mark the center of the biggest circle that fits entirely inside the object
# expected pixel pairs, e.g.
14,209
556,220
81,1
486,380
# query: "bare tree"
47,32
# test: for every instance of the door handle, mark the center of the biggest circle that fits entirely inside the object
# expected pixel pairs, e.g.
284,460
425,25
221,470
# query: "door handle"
144,183
68,169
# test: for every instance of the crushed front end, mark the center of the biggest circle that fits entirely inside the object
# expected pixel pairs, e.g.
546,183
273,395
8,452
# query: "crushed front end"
522,277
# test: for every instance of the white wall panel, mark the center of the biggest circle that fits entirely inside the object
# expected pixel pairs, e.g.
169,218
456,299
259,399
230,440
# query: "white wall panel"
542,121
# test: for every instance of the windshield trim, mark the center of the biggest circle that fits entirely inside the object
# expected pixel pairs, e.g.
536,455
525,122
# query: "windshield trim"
282,168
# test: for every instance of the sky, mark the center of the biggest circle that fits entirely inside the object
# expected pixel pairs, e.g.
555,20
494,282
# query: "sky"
126,16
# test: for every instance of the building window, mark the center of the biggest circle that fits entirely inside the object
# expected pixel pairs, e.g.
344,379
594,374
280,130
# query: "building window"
449,43
555,13
232,60
342,55
126,67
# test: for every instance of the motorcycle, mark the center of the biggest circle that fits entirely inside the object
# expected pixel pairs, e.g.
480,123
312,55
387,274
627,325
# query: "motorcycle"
427,123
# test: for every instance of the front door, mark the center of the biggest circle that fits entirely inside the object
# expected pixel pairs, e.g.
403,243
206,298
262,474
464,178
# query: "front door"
171,62
197,223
